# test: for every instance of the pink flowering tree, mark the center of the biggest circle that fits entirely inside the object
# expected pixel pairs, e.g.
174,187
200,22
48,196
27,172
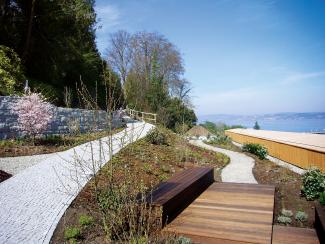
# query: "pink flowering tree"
34,113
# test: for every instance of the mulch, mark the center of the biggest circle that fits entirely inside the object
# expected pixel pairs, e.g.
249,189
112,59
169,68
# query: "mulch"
4,176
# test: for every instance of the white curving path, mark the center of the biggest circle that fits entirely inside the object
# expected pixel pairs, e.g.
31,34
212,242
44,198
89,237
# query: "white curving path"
240,168
33,201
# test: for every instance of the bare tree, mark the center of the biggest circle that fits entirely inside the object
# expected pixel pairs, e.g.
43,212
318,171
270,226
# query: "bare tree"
119,54
181,89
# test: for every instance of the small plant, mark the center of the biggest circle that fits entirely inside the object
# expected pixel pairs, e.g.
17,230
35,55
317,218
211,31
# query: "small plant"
183,240
284,220
313,183
72,233
256,149
163,177
301,216
147,168
286,212
157,137
322,198
85,220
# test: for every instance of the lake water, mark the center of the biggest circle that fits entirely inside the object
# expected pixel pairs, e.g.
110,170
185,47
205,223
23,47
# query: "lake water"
293,125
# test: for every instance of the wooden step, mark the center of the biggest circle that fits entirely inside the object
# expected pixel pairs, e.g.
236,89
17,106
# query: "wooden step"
293,235
228,213
175,194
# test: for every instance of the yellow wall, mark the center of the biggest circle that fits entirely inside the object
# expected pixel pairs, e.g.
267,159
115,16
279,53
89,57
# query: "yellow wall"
298,156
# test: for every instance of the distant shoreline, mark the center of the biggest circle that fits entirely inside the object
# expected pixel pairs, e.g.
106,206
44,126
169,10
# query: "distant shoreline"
291,122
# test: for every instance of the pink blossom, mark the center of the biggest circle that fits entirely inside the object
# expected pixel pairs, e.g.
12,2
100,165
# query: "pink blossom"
34,113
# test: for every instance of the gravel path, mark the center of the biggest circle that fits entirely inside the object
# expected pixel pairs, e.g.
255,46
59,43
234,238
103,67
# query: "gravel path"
33,201
14,165
239,169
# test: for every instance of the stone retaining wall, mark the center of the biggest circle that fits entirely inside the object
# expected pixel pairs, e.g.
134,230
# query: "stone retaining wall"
65,120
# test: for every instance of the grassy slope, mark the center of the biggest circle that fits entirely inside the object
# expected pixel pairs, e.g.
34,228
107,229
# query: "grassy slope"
147,163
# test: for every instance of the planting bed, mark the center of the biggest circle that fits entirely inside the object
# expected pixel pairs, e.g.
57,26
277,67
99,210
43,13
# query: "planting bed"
139,163
24,147
288,190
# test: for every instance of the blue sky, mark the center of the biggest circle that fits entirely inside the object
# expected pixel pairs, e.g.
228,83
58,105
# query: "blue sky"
242,56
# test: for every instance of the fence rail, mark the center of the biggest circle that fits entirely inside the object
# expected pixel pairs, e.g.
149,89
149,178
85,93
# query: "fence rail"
143,116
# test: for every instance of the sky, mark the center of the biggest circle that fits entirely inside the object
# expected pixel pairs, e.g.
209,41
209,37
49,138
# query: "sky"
241,56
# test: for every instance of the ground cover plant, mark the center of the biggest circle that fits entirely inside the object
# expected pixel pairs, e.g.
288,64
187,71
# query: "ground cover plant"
47,144
136,168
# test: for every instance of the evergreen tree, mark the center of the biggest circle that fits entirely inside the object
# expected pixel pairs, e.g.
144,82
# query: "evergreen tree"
256,126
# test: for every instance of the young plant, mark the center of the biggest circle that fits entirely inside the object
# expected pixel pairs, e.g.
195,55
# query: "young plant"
301,216
286,212
72,233
284,220
85,220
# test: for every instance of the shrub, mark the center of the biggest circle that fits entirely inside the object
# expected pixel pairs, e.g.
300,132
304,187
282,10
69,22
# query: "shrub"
256,149
301,216
284,220
72,233
157,137
86,220
313,183
322,198
11,75
286,213
220,139
34,113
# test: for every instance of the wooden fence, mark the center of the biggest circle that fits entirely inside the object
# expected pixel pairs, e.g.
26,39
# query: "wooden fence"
143,116
299,156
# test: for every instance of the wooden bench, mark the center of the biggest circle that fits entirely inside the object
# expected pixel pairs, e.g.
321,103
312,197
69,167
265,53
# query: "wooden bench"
175,194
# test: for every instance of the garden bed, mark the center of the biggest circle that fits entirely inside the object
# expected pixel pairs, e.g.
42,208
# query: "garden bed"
138,163
50,144
288,190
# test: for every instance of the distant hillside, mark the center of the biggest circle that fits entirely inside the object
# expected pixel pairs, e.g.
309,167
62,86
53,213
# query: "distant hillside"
299,122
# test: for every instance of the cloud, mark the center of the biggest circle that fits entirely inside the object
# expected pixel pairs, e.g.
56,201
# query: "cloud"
297,77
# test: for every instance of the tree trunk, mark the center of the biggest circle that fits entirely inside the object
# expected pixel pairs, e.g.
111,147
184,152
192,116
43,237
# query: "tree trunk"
29,30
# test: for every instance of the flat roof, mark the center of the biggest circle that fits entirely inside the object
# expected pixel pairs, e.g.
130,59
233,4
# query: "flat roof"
304,140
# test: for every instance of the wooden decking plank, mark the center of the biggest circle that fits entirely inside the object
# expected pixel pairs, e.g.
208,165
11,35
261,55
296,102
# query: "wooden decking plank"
229,212
293,235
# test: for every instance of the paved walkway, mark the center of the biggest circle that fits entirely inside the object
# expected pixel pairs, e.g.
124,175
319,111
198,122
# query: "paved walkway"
15,165
239,169
33,201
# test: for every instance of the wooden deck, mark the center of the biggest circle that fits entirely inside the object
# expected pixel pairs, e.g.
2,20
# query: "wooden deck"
293,235
228,213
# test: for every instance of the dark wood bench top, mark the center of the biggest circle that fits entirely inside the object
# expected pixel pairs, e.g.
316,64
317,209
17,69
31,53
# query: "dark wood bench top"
175,194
